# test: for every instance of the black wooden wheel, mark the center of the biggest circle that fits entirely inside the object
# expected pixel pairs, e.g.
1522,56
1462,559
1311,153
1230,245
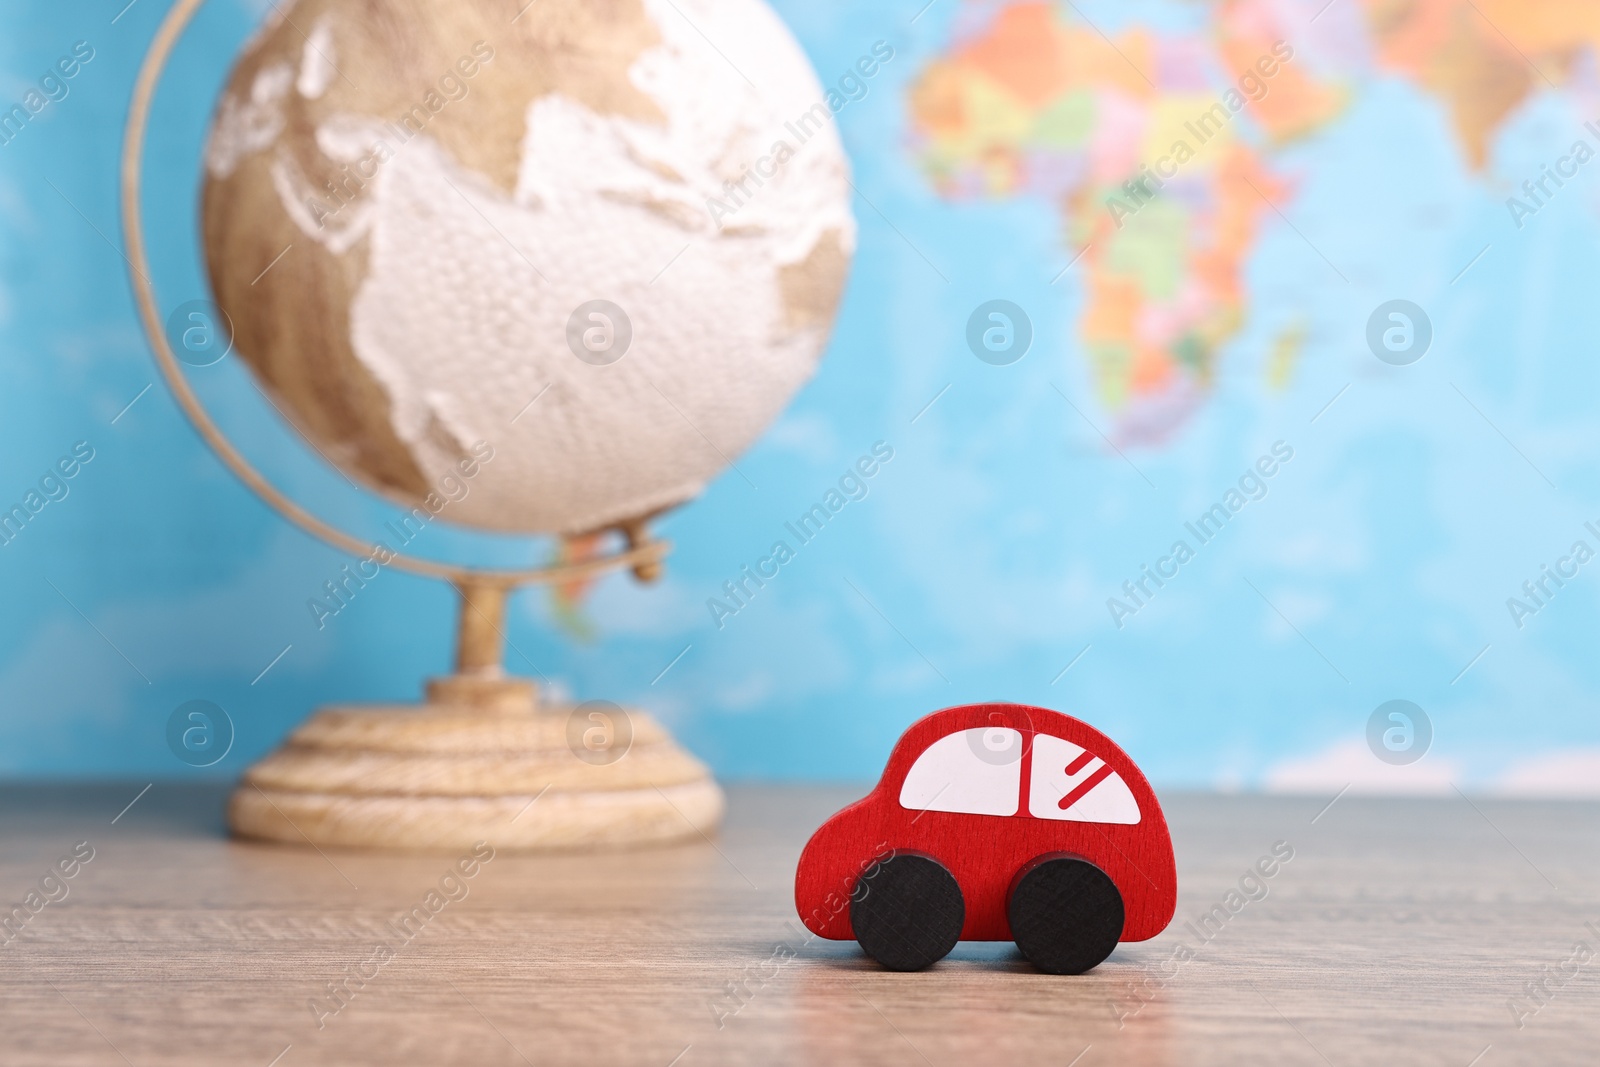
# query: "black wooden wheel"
907,912
1066,914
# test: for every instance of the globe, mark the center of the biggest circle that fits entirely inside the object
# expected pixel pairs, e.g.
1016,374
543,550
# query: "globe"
581,238
580,252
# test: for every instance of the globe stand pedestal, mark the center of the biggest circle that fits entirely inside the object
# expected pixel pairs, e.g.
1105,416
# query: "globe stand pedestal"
482,759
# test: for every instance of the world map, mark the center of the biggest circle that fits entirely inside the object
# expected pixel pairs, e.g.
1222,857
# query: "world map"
1163,151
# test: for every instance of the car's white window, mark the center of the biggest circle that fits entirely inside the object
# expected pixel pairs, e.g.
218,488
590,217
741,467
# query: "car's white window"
1077,786
976,772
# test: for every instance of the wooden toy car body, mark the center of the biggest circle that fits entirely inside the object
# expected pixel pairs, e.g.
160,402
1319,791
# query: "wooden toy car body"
986,790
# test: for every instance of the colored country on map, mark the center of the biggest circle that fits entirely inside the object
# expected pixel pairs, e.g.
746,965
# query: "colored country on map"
1160,150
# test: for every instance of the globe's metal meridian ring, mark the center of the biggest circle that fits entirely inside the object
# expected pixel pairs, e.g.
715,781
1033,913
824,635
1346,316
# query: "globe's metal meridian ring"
641,556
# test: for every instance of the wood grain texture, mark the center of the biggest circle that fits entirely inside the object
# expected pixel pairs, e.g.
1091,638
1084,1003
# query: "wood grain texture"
446,776
1396,934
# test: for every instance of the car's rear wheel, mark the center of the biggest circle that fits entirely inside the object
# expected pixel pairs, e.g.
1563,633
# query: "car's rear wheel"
1066,914
907,912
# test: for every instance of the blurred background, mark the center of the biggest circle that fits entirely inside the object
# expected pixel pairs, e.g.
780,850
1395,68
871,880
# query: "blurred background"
1364,272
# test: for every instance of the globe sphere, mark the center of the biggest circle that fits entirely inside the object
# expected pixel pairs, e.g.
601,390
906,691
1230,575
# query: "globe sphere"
587,250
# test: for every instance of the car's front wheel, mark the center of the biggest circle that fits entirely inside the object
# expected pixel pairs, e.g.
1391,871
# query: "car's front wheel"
907,911
1066,914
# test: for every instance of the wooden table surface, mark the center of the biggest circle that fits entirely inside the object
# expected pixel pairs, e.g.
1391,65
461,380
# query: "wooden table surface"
1402,932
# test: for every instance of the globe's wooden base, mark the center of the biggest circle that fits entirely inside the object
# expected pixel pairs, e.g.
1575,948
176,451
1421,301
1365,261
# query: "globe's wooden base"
447,775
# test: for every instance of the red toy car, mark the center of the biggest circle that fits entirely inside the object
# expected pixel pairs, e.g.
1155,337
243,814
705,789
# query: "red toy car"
994,822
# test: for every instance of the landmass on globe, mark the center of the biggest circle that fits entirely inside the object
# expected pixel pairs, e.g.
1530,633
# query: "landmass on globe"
408,206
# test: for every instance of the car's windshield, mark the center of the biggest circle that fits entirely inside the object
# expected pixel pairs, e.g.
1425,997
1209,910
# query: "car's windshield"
979,772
